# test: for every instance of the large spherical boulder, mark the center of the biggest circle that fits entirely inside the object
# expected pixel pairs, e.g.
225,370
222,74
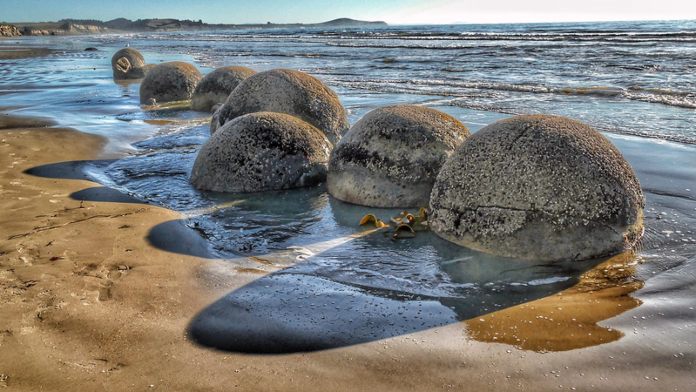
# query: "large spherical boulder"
215,120
128,63
291,92
168,82
541,188
262,152
390,158
216,86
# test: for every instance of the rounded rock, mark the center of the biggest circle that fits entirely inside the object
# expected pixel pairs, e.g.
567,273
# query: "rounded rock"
291,92
215,120
538,187
216,86
390,158
128,63
262,151
168,82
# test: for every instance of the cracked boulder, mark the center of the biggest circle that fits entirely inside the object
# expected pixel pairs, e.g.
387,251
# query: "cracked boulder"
291,92
262,152
538,187
390,158
128,63
216,86
169,82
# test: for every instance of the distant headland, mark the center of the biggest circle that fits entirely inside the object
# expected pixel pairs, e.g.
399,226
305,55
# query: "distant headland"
87,26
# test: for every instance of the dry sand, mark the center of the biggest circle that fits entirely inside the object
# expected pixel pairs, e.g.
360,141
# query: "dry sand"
89,305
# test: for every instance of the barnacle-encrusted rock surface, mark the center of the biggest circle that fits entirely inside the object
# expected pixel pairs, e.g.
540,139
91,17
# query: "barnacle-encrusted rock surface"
216,86
215,120
261,152
291,92
128,63
538,187
168,82
390,158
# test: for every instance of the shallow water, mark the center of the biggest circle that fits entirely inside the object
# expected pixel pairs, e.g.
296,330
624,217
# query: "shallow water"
635,81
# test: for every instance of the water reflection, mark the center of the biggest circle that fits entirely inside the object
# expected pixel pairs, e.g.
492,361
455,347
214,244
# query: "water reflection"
371,287
569,319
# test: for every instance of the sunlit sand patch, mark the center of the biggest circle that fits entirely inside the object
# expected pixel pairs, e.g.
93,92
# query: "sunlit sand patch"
294,254
274,261
209,210
567,320
160,121
173,121
174,105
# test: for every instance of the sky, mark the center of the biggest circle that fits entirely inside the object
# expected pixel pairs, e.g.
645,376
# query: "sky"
312,11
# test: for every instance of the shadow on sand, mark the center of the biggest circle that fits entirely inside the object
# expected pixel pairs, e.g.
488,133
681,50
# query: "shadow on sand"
308,306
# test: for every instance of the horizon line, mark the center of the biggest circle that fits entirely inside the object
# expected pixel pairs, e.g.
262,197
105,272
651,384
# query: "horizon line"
385,21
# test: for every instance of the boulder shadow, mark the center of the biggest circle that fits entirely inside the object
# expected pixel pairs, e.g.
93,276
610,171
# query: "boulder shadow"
359,289
369,288
317,305
68,170
77,170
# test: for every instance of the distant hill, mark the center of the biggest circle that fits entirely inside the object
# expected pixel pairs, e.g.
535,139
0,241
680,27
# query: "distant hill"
347,22
90,26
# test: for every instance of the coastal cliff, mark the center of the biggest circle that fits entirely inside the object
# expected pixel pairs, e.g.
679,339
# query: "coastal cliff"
9,31
88,26
61,28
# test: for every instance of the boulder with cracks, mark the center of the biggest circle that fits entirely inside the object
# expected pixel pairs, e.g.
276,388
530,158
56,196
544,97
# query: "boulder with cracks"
128,63
538,187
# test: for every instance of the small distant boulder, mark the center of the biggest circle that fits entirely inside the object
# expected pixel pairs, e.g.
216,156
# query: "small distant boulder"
168,82
291,92
538,187
216,86
91,49
390,158
128,63
262,152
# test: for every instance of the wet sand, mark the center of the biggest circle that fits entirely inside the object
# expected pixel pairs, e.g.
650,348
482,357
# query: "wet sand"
89,304
17,52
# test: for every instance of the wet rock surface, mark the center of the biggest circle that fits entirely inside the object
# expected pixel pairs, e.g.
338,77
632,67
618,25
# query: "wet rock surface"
262,152
216,86
127,63
168,82
390,158
291,92
538,187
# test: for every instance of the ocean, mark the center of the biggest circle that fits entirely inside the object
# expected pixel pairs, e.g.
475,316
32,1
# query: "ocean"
634,81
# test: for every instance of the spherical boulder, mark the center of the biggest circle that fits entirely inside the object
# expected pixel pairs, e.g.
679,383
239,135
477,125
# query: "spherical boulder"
390,158
168,82
538,187
215,120
216,86
128,63
262,151
291,92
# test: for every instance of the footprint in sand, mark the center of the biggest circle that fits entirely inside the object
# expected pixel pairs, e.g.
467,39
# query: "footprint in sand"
101,279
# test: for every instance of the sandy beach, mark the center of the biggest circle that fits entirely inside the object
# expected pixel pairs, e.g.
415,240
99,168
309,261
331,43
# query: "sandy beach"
88,301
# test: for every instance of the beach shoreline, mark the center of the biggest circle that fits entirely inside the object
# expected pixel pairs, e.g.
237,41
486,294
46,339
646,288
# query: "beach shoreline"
89,302
99,289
